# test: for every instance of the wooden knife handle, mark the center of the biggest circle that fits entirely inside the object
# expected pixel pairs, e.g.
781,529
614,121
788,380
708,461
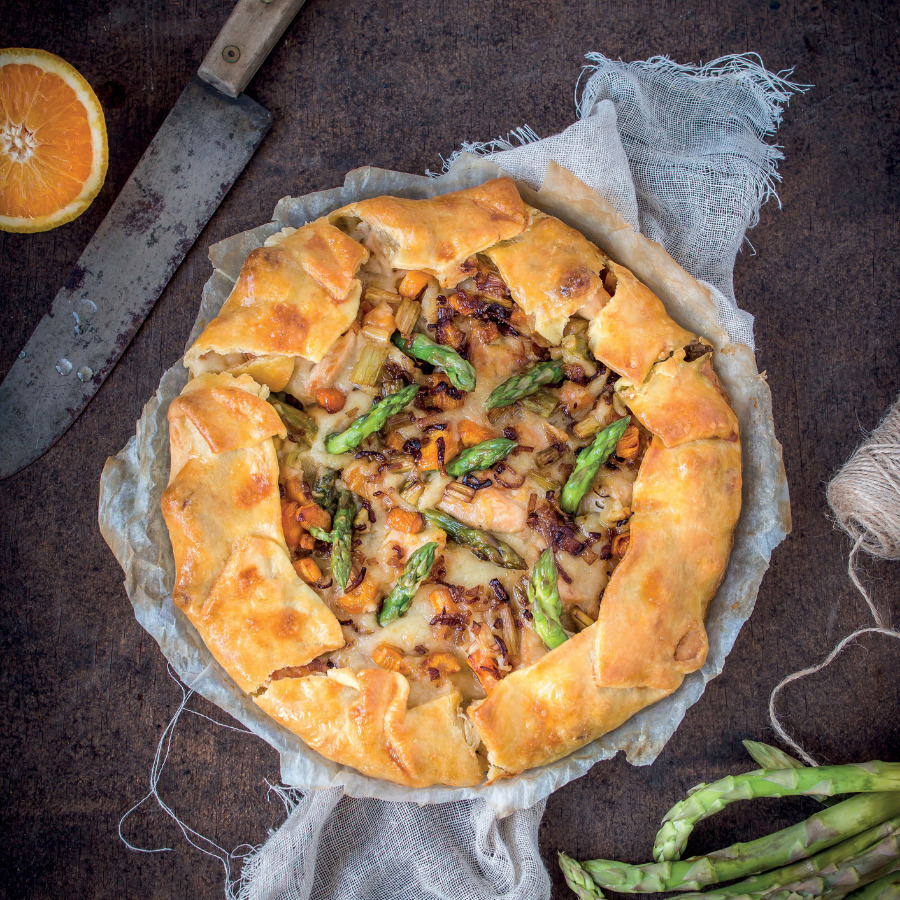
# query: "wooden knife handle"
252,30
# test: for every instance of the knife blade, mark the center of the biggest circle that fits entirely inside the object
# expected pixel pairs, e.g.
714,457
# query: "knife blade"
203,145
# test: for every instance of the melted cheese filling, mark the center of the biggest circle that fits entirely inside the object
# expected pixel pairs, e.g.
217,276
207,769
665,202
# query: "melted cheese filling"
469,624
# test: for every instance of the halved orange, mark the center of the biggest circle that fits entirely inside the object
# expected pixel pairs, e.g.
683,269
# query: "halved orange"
53,151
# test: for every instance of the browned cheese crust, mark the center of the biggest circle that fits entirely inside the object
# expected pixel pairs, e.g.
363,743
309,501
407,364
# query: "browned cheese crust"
297,303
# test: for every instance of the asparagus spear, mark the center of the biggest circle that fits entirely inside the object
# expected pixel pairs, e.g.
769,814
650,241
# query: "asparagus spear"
301,428
840,869
321,535
543,596
479,543
821,830
854,855
520,386
416,570
481,456
768,757
886,888
578,880
341,535
706,800
460,372
588,464
371,422
323,491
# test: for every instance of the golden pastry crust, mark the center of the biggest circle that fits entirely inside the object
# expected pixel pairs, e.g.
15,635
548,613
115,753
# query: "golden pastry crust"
260,617
295,297
551,270
540,714
681,401
634,331
228,413
362,720
235,579
440,235
686,504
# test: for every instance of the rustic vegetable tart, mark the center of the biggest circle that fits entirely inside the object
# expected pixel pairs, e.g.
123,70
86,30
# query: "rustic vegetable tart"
450,491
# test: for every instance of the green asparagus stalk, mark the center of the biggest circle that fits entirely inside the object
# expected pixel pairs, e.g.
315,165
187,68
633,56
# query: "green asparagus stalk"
520,386
479,543
341,536
839,862
706,800
822,830
885,888
578,880
588,464
546,606
416,570
371,422
323,491
460,372
843,867
768,757
481,456
301,427
321,535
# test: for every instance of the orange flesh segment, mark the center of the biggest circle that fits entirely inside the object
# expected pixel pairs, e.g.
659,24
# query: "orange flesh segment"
47,146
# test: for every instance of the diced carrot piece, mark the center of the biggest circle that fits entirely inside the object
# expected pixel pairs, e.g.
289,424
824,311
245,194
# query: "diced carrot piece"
472,433
389,657
405,520
413,284
442,600
428,461
307,542
330,399
484,665
629,444
363,598
396,440
308,570
293,489
293,531
439,664
313,514
354,477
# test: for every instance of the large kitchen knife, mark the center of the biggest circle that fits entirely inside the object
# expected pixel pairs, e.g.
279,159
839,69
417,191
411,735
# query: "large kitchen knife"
203,145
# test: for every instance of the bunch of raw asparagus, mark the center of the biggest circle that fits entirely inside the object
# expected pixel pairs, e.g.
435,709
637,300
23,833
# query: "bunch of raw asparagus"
850,848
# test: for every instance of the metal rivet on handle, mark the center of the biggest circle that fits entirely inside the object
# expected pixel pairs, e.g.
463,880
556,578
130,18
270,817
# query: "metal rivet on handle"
231,54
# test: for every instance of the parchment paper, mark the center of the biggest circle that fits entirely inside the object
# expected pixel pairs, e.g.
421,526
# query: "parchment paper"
133,481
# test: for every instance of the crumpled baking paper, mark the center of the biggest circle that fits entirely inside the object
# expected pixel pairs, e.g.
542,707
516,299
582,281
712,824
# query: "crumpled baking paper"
133,481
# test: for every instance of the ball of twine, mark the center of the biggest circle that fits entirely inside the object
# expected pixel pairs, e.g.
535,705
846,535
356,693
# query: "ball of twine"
865,494
865,498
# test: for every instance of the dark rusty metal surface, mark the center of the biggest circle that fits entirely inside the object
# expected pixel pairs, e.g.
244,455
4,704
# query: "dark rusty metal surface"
191,163
85,694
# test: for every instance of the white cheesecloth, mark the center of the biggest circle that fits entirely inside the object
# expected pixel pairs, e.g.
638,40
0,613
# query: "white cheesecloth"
680,151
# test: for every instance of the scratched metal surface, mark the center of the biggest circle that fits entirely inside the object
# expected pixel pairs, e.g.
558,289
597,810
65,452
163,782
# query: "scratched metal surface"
84,693
203,145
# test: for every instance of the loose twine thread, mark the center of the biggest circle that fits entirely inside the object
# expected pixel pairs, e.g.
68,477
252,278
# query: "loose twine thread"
865,499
